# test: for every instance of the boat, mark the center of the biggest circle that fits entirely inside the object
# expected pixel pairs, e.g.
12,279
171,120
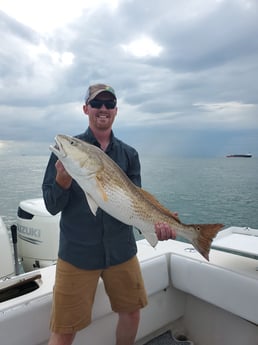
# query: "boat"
246,155
191,301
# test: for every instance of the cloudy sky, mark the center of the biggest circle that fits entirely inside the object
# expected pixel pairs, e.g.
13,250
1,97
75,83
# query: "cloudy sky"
185,72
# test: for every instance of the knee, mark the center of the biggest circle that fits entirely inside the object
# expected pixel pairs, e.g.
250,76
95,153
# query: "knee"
135,316
61,339
130,317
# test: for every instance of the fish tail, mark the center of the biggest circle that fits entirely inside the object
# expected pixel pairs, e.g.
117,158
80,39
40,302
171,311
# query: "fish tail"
206,233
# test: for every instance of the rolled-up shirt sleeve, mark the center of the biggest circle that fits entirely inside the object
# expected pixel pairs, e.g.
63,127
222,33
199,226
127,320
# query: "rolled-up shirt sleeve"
55,197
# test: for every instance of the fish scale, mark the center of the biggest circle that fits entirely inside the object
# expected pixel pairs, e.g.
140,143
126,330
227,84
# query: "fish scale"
107,186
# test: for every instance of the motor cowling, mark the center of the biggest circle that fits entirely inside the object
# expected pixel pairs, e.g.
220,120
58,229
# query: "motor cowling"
38,234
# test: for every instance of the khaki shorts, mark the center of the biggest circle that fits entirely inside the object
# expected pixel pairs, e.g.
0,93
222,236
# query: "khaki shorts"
75,288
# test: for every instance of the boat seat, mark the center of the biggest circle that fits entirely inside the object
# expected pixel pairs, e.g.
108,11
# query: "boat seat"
155,274
221,287
156,278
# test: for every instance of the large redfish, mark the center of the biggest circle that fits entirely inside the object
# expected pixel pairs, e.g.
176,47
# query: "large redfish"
107,186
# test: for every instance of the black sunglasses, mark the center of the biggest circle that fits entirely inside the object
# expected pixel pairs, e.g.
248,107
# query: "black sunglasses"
97,103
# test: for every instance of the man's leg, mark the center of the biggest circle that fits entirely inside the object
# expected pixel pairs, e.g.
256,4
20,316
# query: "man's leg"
125,287
73,298
127,327
61,339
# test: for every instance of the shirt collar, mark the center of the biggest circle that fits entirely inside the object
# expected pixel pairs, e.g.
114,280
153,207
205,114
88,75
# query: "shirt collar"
89,136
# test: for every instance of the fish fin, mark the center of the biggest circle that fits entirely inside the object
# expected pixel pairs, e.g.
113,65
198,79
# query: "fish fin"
157,204
206,234
92,204
101,188
151,237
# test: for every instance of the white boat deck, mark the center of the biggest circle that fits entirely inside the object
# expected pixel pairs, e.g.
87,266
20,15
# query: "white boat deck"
242,241
247,267
181,285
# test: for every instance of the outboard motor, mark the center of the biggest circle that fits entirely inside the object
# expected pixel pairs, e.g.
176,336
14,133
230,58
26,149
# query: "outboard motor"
38,234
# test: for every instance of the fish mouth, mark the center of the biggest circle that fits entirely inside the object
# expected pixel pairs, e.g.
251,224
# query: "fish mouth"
57,149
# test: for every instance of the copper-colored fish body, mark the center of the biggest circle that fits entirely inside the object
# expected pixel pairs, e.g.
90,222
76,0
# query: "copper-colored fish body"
108,187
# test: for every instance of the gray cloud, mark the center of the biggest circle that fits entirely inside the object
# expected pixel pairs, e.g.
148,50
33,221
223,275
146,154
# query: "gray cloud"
204,79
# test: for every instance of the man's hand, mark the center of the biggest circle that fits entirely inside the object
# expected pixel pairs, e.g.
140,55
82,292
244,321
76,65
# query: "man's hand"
164,231
62,177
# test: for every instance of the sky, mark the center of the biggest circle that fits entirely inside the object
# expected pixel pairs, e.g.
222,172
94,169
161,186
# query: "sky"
185,73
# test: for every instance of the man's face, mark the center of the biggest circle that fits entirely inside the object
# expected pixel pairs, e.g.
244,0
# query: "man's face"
100,117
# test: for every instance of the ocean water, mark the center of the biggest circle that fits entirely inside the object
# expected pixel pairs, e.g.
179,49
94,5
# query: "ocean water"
223,190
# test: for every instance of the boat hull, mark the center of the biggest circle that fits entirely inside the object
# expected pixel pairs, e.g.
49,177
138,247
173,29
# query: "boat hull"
183,296
240,156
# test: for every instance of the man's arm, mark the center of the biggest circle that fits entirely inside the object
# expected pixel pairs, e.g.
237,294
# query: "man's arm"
56,186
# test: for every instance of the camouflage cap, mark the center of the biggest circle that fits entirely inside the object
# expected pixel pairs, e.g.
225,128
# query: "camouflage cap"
96,89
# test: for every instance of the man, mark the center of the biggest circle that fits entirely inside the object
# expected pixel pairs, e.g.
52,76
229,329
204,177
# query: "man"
95,246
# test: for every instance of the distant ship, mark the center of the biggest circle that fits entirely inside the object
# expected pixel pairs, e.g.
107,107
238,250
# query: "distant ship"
247,155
